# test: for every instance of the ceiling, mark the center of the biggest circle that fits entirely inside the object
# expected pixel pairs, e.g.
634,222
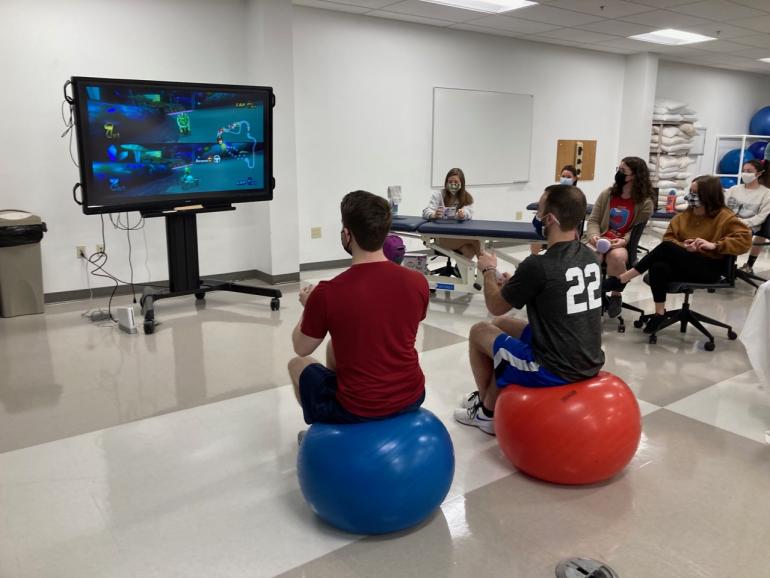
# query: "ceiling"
740,26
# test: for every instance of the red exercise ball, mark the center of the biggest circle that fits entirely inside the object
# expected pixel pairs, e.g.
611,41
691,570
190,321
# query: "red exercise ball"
581,433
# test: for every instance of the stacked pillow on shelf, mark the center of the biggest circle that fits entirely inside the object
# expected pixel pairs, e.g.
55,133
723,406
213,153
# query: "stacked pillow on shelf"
671,141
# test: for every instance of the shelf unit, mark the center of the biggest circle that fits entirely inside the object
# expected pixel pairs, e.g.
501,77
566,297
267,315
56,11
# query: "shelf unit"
740,141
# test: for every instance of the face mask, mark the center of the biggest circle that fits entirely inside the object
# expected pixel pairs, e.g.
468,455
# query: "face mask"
566,181
693,200
453,187
538,224
748,178
345,246
620,179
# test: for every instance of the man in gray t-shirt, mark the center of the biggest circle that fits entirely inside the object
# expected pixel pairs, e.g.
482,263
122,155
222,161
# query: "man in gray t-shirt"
562,292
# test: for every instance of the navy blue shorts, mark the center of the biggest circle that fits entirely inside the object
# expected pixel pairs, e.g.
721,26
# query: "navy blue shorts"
318,395
515,363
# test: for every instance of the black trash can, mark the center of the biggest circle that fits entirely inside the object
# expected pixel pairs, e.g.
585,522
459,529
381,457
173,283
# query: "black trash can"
21,269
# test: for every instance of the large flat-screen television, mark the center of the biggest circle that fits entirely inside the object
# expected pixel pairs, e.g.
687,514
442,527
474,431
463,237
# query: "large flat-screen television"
153,146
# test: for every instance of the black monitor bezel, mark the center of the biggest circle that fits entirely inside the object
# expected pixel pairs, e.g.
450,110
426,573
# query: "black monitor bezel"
157,205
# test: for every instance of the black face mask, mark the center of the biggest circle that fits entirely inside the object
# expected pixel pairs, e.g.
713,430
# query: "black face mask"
538,224
620,179
345,246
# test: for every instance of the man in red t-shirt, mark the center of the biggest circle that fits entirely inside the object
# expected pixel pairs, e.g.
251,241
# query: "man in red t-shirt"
372,312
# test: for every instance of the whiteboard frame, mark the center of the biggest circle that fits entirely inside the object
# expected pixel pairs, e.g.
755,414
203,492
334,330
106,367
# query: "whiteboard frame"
471,182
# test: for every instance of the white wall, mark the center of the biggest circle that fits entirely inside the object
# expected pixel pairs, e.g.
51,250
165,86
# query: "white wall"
364,111
724,100
47,41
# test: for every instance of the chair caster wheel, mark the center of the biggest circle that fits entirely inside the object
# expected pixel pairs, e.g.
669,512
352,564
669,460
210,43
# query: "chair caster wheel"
621,328
732,335
200,296
275,304
477,286
709,346
638,323
653,339
149,327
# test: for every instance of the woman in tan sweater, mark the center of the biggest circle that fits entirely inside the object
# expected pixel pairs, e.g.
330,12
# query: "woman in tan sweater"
694,246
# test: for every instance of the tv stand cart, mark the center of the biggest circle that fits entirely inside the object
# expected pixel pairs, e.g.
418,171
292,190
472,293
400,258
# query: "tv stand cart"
183,275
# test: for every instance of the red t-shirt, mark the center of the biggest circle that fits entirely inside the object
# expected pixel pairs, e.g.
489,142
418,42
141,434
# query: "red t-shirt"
621,216
372,312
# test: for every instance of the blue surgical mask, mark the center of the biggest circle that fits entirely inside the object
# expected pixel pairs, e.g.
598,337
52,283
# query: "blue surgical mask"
538,224
693,200
566,181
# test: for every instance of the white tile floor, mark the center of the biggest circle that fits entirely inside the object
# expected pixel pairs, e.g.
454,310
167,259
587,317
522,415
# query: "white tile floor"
204,483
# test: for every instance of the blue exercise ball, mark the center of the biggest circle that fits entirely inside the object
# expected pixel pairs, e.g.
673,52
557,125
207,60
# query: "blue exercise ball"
758,149
760,122
728,182
729,163
379,476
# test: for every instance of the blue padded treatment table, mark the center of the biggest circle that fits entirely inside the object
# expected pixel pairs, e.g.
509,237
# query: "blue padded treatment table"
486,232
533,207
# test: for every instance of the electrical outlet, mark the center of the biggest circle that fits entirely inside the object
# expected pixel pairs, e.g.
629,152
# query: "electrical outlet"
519,216
99,248
315,232
80,251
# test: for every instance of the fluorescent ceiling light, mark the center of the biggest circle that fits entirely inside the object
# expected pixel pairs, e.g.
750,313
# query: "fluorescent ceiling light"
488,6
672,37
764,60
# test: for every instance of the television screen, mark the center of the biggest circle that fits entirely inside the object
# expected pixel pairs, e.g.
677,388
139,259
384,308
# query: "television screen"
152,146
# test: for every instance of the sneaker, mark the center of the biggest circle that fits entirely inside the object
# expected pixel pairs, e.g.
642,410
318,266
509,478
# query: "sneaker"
301,436
746,268
470,400
654,323
614,305
613,284
473,416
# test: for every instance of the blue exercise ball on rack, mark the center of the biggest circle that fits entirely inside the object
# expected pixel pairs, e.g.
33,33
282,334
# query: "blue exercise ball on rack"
728,182
760,122
729,163
379,476
758,149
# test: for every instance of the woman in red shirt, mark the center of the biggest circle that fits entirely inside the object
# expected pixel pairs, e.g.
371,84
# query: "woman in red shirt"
617,210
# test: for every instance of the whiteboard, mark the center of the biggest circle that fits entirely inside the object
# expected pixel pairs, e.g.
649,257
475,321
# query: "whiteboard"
486,134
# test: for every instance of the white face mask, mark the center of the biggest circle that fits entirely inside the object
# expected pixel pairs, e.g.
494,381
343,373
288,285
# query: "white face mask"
566,181
748,178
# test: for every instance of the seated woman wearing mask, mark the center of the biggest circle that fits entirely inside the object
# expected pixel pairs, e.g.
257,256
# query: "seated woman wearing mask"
694,246
568,176
617,210
453,202
751,202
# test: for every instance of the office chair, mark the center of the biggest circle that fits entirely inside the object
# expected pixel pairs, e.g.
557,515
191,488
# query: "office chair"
755,280
685,315
633,250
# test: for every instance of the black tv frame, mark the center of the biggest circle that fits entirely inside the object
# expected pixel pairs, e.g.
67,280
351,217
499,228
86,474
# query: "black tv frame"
159,206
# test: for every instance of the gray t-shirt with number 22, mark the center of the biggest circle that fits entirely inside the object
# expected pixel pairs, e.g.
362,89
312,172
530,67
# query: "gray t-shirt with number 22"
562,292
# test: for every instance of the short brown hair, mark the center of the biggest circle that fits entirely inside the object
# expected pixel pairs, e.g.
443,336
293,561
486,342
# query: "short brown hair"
571,169
367,217
567,203
710,193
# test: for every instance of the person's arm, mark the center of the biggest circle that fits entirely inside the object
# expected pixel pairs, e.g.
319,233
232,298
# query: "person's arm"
762,213
467,212
436,201
594,223
526,283
311,329
487,264
674,230
735,238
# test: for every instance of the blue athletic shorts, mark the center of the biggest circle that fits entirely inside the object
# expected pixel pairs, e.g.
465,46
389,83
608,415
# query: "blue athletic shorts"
318,393
515,363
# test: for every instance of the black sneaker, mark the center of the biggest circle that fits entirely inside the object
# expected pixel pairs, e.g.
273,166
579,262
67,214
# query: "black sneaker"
614,305
613,284
654,323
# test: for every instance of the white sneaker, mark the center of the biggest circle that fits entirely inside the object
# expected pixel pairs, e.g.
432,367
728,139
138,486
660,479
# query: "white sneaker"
473,416
470,400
